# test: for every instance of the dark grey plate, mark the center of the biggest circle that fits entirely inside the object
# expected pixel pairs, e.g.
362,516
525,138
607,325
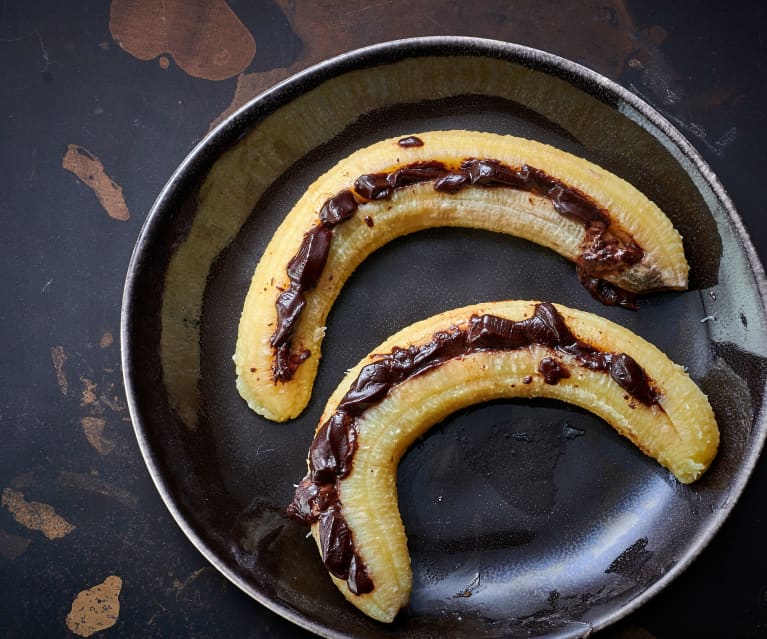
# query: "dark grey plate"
524,518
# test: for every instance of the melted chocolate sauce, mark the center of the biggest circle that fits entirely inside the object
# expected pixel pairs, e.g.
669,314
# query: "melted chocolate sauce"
331,454
603,251
410,140
608,294
552,370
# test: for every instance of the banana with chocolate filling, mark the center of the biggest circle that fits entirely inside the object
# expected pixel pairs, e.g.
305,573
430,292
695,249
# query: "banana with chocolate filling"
621,243
459,358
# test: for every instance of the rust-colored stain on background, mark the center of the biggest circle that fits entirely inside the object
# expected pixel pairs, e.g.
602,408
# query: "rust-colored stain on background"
93,428
96,608
58,357
89,169
605,32
35,515
98,403
204,37
94,424
88,396
106,340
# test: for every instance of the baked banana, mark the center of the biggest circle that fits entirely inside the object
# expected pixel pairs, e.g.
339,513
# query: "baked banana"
621,242
458,358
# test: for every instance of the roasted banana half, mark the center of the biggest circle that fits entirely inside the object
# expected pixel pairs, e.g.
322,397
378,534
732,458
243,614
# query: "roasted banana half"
459,358
621,243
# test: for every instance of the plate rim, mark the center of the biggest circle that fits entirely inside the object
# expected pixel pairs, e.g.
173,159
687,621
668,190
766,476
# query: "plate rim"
228,132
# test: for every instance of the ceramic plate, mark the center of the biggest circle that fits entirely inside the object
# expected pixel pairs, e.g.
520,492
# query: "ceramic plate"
528,518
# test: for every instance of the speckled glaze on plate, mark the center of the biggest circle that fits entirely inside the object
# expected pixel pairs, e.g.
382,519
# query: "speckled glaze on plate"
524,518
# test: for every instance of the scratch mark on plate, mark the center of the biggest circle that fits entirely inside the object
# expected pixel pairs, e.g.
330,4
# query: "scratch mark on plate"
469,590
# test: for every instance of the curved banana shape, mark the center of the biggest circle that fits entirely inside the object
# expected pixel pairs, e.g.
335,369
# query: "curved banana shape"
462,357
620,241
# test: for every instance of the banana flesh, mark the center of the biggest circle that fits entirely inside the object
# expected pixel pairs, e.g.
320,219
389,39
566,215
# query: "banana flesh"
275,372
349,495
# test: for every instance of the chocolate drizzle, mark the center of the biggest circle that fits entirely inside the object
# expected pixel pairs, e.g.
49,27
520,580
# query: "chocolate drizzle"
331,455
410,140
604,250
304,271
603,291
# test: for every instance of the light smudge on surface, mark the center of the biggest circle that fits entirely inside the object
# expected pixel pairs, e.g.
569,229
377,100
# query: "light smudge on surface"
24,481
184,590
88,168
12,546
35,515
95,484
93,428
58,357
205,37
96,608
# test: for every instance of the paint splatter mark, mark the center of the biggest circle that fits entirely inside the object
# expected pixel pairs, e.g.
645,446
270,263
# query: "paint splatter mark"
58,357
107,339
164,62
88,396
205,37
97,608
606,38
93,427
90,170
35,515
94,484
98,402
12,546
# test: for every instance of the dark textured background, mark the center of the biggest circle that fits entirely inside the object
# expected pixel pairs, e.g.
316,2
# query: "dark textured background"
67,442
